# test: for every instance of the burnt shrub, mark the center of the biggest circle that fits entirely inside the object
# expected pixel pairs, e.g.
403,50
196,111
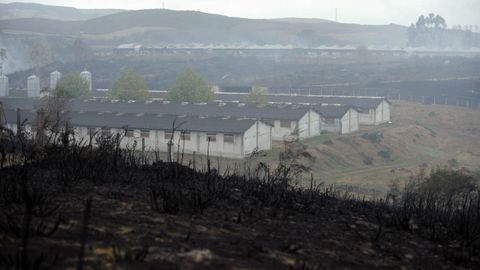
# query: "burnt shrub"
443,206
368,160
373,137
385,154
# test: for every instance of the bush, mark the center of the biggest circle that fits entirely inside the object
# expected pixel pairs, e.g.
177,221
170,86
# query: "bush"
453,162
367,160
374,137
385,154
328,142
444,206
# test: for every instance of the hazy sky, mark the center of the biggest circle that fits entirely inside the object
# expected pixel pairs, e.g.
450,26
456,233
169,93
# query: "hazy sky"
356,11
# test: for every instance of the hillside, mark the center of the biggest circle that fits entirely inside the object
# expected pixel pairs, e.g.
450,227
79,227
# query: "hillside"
420,137
33,10
156,27
104,209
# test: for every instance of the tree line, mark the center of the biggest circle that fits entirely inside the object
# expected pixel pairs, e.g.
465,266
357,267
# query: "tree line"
188,87
432,31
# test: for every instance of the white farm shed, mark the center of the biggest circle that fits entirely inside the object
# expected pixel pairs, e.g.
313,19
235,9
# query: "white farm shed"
372,110
338,119
285,119
223,137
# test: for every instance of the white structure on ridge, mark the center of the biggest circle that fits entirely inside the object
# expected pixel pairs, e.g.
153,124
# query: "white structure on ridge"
3,85
54,77
33,86
88,77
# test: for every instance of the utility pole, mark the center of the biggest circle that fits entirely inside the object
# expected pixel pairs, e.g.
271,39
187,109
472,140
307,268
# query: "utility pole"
336,14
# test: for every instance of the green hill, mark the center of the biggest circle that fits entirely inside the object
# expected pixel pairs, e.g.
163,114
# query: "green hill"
160,26
32,10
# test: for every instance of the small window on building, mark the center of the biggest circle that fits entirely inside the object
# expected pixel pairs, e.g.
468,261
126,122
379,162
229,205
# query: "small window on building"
212,137
228,138
185,136
129,133
145,133
92,131
168,136
105,132
285,124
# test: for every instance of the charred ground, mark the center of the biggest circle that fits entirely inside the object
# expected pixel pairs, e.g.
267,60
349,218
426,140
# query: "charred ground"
67,206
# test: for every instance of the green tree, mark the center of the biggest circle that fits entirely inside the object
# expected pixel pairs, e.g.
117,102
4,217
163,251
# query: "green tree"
190,87
257,95
72,86
130,86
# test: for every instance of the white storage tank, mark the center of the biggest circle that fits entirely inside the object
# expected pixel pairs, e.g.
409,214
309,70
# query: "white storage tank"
88,77
33,86
54,77
3,86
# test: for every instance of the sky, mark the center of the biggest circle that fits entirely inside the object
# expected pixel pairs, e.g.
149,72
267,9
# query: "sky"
405,12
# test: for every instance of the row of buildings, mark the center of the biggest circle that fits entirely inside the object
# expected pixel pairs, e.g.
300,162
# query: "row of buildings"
33,83
222,128
371,110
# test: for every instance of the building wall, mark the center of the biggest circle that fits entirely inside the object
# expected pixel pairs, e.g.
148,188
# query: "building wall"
315,120
349,122
279,133
354,120
308,126
367,117
259,137
379,114
385,111
330,125
376,116
304,126
198,142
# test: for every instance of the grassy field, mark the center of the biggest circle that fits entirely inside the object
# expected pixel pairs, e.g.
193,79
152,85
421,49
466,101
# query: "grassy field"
419,137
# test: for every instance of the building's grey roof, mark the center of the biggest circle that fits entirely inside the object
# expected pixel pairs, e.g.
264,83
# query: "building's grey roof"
331,111
10,116
226,125
266,112
21,103
357,102
362,103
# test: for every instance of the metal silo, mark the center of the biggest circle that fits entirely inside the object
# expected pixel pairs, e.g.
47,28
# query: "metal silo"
54,77
88,77
33,86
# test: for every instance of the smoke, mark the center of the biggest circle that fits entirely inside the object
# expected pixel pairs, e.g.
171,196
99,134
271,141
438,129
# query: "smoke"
18,55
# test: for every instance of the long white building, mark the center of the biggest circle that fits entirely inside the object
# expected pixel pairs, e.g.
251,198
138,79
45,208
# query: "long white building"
371,110
224,137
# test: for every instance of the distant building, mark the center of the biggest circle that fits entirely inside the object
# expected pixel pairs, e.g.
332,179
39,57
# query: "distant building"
372,110
54,77
340,119
87,76
33,86
3,86
223,137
